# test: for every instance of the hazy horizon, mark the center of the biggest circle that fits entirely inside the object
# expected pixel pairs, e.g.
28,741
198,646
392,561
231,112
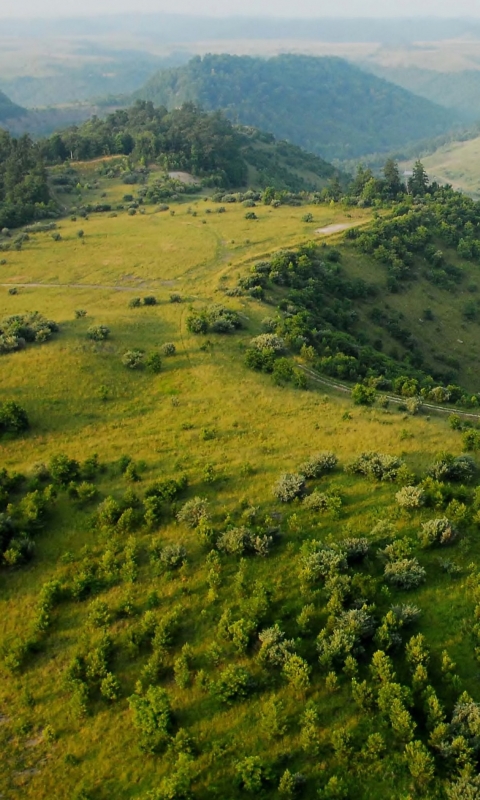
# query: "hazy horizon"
379,9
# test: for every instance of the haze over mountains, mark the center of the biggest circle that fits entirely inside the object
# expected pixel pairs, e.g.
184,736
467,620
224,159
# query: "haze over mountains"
325,105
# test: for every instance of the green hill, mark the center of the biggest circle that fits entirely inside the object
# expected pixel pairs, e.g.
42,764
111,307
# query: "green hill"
458,91
455,162
325,105
239,483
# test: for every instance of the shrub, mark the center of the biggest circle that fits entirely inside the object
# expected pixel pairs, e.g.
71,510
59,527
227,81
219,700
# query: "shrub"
307,217
234,683
355,549
411,497
323,501
282,372
437,532
197,324
134,359
175,298
268,341
154,363
251,773
19,330
173,556
405,573
318,464
98,333
150,300
289,487
235,541
152,717
251,215
451,468
64,469
80,313
471,440
169,349
414,405
275,649
13,418
363,395
377,465
135,302
194,512
239,541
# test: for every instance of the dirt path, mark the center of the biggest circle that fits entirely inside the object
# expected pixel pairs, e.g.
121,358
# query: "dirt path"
341,387
141,287
342,226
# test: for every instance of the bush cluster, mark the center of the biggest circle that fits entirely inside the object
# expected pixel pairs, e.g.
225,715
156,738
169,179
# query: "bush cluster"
19,330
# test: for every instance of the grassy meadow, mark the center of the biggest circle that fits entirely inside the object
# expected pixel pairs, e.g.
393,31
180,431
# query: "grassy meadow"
204,414
456,163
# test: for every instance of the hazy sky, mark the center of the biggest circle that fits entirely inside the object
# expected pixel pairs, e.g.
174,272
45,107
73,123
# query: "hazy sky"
305,8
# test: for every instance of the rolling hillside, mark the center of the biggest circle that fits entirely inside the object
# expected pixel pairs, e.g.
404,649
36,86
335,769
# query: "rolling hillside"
325,105
457,163
210,585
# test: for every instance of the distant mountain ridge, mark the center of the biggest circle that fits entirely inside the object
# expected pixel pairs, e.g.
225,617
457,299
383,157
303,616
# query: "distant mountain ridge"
325,105
459,91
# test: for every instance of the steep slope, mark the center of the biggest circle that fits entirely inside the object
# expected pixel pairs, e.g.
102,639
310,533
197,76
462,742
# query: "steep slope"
171,625
457,163
325,105
8,109
458,91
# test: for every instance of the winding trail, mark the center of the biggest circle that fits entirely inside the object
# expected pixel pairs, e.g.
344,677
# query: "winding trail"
342,387
77,286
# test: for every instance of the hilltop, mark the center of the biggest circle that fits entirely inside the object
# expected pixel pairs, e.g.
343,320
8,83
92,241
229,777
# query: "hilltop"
324,105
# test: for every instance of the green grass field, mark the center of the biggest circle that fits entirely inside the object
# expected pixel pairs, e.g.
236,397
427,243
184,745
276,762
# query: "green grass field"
456,163
204,411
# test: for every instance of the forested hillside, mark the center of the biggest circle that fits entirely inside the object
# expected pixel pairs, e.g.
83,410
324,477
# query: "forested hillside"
325,105
205,144
24,193
458,91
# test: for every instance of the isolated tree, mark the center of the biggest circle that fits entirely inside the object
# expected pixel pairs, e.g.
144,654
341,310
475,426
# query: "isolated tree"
393,182
418,183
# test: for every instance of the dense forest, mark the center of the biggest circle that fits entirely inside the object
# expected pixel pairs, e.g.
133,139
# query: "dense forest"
24,192
325,105
184,139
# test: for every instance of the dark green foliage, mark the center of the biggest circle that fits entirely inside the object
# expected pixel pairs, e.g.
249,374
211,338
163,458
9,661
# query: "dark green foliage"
13,418
363,395
153,363
152,717
19,330
453,468
24,192
63,469
134,359
378,466
234,683
328,106
98,333
289,487
183,139
215,319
